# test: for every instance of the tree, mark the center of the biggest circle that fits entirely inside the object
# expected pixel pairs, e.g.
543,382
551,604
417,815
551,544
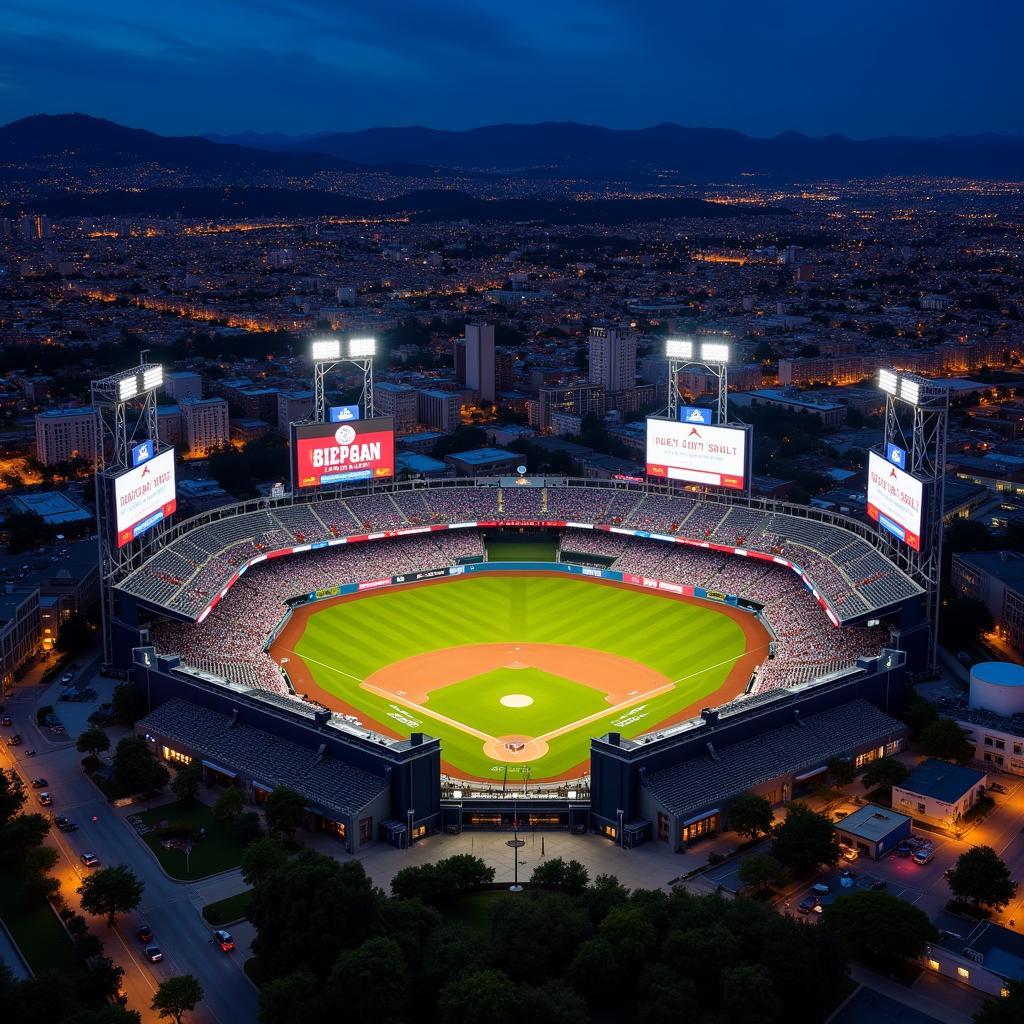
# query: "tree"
127,703
1005,1010
554,1002
981,875
285,810
481,996
945,739
748,996
12,795
187,780
760,871
136,770
111,891
112,1014
246,828
36,866
371,982
296,998
93,741
261,859
804,840
560,875
229,804
23,833
842,770
75,633
877,926
751,815
438,882
177,996
884,773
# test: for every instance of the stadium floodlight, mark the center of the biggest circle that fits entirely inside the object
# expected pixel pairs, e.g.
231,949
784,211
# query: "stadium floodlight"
677,348
326,350
887,381
714,352
152,378
362,348
910,390
127,387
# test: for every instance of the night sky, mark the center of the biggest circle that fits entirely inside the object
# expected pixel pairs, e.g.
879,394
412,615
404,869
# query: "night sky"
864,68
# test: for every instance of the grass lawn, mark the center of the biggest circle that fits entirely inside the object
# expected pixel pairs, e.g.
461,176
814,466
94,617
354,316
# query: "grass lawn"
525,551
692,644
219,851
37,931
225,911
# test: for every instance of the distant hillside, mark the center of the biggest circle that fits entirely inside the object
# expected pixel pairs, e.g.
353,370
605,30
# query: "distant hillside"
429,205
692,154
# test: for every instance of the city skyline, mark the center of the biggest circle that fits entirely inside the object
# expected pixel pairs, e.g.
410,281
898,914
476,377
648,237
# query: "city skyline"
917,70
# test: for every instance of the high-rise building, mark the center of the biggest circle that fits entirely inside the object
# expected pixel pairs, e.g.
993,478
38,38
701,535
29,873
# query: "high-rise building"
183,384
293,407
205,423
612,358
399,401
168,423
579,399
504,364
480,360
439,410
65,434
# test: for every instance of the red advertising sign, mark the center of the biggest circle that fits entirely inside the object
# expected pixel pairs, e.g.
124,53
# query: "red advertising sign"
332,453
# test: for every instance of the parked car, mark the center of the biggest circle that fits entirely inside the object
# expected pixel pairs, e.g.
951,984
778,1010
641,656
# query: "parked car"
879,883
154,954
145,933
45,799
67,677
90,860
924,855
65,824
15,740
850,853
821,887
6,720
224,940
810,905
39,783
997,787
903,849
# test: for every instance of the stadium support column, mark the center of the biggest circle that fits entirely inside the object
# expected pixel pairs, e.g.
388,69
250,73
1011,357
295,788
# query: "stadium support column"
125,410
916,423
328,354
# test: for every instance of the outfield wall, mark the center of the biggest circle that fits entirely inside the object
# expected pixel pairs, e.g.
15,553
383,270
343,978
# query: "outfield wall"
612,575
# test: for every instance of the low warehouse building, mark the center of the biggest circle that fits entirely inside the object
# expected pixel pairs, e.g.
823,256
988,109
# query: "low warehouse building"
939,792
873,831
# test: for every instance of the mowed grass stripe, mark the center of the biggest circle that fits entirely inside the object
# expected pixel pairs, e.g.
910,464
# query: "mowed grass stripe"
693,644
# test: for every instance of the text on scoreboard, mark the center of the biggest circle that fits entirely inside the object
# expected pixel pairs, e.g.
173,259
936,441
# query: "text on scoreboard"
895,500
144,496
329,453
696,453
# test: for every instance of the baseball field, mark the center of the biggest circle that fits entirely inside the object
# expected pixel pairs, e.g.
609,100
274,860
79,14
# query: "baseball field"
518,671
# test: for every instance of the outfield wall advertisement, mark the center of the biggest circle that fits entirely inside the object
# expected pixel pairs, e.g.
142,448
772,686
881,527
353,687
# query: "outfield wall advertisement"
144,496
329,453
895,500
698,454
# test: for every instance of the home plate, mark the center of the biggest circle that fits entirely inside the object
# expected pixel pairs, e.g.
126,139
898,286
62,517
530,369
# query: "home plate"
516,700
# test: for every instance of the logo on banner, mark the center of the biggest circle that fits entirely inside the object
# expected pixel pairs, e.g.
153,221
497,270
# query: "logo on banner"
897,456
692,414
342,413
345,435
142,453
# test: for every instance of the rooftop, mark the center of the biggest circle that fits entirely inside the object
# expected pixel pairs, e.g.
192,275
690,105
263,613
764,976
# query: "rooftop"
55,507
483,456
996,948
871,822
941,780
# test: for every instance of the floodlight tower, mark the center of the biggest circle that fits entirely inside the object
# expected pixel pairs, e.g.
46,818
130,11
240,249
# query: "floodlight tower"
711,356
327,354
125,409
917,421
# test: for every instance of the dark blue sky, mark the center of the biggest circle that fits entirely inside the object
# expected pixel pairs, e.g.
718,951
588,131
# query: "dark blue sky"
858,67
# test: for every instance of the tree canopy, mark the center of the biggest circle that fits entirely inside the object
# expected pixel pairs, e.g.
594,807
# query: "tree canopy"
111,891
982,876
877,926
945,739
751,815
805,840
177,996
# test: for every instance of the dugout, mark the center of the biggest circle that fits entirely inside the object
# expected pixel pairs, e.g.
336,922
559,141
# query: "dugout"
502,813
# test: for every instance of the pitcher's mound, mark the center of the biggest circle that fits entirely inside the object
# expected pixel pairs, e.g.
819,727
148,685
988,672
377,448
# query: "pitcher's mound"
516,700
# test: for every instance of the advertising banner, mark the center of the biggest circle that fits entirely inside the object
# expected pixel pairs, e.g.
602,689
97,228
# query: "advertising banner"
697,454
144,496
895,500
325,453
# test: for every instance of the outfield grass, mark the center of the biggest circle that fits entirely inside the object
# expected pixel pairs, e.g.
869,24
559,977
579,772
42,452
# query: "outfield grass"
692,644
219,851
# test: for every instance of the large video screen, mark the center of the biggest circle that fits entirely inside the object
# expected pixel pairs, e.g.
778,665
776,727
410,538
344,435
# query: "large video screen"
332,453
144,496
697,454
895,500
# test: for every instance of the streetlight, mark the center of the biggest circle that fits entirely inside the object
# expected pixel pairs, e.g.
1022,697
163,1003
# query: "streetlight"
516,845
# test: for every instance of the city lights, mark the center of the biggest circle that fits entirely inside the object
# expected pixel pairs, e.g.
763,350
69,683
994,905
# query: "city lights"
362,348
887,381
677,348
326,349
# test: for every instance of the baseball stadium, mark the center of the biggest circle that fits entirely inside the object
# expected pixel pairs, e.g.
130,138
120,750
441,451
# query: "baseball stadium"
446,646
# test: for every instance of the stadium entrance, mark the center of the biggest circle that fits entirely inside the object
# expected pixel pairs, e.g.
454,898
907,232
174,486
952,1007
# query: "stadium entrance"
537,814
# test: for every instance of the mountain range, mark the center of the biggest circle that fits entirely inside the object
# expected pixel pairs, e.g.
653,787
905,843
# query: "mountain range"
688,154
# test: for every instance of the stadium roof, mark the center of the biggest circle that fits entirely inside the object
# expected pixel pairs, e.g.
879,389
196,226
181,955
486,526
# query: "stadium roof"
713,778
329,784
